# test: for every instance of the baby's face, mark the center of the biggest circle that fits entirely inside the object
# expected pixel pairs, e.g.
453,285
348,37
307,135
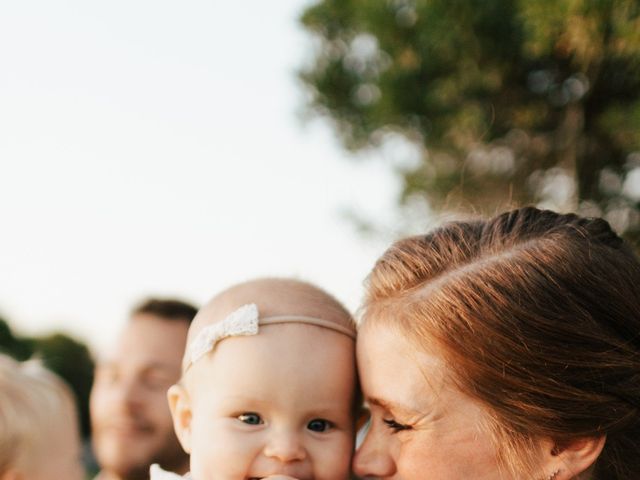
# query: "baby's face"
279,402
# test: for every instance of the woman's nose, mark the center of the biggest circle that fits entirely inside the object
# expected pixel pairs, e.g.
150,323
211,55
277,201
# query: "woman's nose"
286,447
373,458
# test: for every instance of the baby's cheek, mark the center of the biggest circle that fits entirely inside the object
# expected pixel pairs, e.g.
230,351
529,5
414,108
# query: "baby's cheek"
334,459
221,453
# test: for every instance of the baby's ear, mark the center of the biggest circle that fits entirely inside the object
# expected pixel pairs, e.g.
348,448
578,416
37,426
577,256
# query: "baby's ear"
574,457
180,405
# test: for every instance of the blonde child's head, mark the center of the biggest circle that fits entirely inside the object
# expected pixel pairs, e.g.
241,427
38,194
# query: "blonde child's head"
39,435
278,400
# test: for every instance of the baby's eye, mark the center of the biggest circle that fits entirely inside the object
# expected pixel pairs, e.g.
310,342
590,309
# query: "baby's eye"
319,425
250,418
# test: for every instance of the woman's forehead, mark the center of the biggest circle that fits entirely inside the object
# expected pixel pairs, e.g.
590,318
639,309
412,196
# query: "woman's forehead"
392,370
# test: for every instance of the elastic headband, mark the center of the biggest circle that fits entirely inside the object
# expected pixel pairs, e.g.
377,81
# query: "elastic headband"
318,322
245,321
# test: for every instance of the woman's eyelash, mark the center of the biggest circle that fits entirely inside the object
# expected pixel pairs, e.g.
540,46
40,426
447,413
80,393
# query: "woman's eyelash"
395,426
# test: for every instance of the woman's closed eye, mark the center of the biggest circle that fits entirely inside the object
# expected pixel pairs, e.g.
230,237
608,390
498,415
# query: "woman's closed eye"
319,425
250,418
395,426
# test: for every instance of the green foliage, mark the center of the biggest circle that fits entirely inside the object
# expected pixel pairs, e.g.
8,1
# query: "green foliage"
60,353
72,361
529,101
18,348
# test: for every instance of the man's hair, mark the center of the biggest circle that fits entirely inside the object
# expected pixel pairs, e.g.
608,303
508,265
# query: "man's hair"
167,309
32,400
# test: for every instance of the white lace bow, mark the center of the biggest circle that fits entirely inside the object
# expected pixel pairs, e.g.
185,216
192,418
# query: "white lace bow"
243,321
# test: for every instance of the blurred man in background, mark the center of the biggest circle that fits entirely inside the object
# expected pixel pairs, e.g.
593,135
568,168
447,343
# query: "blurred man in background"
131,423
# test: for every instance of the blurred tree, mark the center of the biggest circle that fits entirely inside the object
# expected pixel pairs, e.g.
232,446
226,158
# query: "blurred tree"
63,355
72,361
506,102
18,348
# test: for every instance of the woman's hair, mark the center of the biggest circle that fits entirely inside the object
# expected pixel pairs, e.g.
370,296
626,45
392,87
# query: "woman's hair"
537,315
33,401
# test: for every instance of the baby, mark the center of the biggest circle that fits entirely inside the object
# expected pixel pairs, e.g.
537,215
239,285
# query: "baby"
269,386
39,433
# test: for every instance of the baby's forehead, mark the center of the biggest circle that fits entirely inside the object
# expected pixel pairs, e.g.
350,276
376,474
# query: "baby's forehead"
222,306
237,311
273,298
289,355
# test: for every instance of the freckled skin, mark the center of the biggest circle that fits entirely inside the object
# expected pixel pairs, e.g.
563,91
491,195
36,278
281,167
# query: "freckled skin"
420,421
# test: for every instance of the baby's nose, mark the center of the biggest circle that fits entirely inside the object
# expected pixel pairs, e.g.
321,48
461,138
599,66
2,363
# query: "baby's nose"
285,446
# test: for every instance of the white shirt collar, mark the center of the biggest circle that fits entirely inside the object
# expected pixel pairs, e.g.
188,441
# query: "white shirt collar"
157,473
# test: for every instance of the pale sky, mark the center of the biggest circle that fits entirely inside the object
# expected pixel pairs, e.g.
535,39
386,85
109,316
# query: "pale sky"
154,148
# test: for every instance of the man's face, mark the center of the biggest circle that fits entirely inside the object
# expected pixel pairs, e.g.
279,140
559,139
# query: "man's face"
130,416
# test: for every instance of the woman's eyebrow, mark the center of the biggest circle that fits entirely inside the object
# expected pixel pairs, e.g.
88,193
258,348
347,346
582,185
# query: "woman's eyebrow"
390,406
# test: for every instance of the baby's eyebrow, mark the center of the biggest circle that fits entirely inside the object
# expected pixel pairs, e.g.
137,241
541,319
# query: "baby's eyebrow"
329,408
242,398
